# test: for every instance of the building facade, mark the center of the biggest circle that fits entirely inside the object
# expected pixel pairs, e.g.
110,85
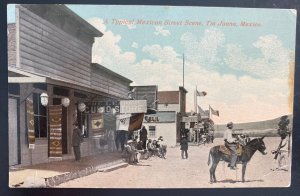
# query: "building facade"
50,51
174,101
163,123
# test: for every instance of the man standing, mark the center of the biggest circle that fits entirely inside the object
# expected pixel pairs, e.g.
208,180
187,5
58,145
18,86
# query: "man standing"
184,147
76,141
230,142
143,136
282,152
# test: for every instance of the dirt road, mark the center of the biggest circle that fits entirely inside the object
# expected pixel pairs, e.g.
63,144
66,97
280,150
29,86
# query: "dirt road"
175,172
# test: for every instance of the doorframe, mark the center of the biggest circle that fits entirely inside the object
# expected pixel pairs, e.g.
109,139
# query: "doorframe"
10,96
66,131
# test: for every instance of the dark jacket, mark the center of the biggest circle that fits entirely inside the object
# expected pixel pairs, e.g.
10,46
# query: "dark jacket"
143,134
184,144
76,137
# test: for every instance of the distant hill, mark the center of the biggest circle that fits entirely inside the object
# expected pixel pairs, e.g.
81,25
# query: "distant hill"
254,129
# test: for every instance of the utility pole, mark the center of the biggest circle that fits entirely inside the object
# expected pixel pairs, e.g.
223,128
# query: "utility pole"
183,69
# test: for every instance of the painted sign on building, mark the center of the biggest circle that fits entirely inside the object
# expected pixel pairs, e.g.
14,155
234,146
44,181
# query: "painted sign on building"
190,119
133,106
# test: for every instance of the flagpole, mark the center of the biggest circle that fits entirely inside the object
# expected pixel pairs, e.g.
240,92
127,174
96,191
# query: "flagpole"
183,69
196,101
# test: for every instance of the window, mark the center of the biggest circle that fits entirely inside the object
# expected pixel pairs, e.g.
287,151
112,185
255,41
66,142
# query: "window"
152,132
40,117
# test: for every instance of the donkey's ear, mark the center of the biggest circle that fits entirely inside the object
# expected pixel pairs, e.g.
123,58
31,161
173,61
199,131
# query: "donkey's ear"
263,137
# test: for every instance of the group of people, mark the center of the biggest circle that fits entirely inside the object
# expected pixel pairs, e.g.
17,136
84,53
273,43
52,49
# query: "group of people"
146,147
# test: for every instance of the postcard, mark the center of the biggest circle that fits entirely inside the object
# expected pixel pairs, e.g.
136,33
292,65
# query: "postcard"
132,96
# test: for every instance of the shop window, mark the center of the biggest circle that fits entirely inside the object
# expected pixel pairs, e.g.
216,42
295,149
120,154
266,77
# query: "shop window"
41,86
14,89
152,131
40,117
82,119
60,91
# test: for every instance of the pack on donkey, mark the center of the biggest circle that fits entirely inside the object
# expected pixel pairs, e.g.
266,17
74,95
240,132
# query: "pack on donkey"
233,153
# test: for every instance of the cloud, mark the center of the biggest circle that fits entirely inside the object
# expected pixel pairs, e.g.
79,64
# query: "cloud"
160,31
238,98
106,49
165,54
204,48
274,60
135,45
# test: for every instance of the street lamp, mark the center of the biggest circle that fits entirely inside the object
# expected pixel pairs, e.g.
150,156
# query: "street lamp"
65,101
81,106
44,99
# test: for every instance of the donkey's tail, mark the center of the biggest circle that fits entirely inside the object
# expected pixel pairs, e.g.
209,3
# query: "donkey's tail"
209,155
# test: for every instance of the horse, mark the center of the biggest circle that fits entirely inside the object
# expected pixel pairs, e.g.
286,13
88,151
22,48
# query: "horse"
245,156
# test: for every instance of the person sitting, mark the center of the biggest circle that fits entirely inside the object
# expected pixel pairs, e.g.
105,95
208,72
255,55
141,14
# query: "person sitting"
230,143
242,139
131,152
247,139
151,147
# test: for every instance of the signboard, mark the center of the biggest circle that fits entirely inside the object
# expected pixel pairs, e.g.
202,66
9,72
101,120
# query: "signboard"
190,119
55,131
133,106
30,124
102,106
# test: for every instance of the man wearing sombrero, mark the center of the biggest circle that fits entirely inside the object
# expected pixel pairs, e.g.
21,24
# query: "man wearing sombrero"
230,142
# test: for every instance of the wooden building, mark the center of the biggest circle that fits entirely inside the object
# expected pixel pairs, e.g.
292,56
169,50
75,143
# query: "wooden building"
163,123
174,101
50,51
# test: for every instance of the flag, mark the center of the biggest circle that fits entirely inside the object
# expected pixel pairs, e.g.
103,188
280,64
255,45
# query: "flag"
201,111
214,112
122,122
136,121
203,93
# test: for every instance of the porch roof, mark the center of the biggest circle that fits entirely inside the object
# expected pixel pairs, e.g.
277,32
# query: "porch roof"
16,75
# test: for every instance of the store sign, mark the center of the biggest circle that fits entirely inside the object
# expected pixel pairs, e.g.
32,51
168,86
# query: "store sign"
190,119
102,107
133,106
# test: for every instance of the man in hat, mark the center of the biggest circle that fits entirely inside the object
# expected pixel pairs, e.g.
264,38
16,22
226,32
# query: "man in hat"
76,141
184,147
230,142
162,147
143,136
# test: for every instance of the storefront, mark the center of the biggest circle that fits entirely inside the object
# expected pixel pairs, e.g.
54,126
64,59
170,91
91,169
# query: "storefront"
52,62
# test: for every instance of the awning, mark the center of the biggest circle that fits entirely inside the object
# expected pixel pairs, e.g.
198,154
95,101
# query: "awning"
16,75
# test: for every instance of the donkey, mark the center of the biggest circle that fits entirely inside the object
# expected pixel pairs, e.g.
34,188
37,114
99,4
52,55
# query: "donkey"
217,154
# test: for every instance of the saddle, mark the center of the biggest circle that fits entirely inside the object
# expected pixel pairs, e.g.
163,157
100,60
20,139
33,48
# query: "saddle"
225,150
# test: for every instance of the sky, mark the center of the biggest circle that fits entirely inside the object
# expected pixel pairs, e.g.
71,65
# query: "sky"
243,58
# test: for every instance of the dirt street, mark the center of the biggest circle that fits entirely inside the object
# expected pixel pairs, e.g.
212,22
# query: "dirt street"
175,172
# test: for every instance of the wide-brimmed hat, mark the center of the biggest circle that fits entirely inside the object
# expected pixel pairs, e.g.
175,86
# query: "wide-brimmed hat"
230,124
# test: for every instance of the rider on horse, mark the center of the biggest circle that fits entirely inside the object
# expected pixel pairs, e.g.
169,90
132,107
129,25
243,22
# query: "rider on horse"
230,142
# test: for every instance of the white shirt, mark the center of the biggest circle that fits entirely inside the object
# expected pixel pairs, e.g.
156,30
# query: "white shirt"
228,136
285,142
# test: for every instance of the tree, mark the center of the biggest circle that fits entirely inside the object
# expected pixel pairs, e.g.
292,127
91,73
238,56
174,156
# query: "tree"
283,126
